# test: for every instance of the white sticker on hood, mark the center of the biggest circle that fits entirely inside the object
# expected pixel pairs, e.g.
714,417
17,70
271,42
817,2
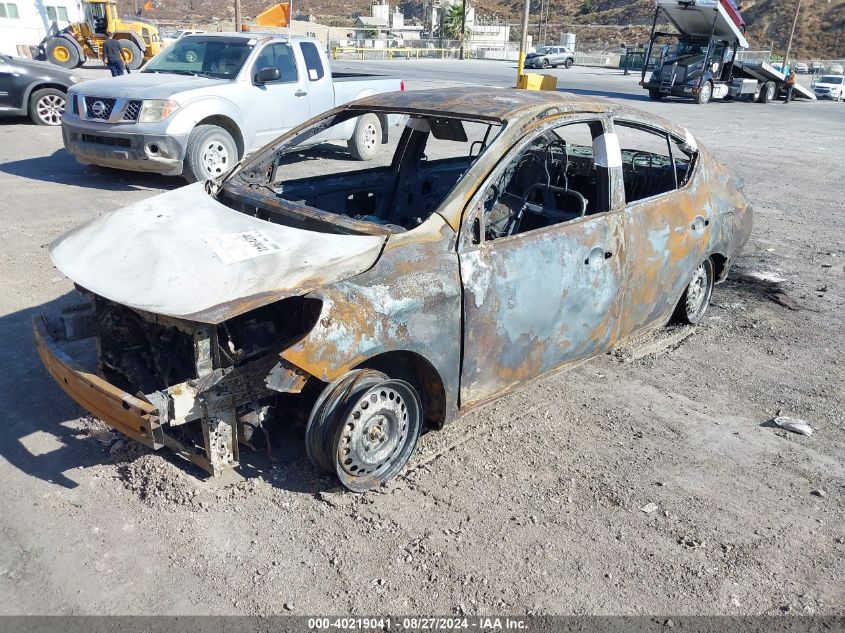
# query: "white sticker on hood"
232,248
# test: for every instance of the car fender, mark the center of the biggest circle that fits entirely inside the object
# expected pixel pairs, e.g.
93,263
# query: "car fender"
200,108
38,85
409,301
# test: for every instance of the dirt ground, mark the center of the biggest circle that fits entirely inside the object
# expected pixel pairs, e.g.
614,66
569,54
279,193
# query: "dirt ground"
648,480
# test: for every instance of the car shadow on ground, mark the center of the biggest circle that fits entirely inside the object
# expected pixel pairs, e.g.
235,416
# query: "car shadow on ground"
44,438
60,167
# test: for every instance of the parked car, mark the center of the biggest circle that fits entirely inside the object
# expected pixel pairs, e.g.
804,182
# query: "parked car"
835,69
830,87
501,236
170,37
208,100
34,89
553,56
801,68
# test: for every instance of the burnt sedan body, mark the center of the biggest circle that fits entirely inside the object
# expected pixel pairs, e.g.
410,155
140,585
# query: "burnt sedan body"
498,236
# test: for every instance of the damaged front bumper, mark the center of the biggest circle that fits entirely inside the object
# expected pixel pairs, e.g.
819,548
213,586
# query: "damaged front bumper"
201,419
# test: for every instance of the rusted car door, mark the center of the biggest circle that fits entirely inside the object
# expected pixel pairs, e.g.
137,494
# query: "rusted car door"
667,225
537,299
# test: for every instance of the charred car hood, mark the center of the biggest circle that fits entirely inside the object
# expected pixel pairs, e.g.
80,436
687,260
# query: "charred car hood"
183,254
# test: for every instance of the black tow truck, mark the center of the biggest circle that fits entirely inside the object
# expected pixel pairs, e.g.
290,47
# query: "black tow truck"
704,65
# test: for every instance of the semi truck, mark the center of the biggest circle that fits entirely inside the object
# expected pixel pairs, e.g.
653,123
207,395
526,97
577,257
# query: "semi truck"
704,64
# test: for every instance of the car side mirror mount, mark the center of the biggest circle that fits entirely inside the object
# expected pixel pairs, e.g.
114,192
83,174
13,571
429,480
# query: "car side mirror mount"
267,74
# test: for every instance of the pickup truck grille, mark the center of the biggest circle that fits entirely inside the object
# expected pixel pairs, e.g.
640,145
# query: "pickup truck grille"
99,107
130,113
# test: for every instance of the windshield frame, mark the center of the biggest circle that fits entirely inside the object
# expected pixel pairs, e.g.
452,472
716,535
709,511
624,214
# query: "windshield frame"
840,79
182,46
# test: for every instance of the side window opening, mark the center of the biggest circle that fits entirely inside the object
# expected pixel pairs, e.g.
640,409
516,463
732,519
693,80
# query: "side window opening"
553,180
652,162
313,63
279,56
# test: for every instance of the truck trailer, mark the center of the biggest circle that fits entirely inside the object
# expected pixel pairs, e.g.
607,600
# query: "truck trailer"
704,65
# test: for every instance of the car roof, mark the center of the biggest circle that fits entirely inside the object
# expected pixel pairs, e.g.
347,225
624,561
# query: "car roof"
502,104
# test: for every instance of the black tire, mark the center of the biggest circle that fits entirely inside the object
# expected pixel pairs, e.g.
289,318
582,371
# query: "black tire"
544,63
46,106
768,92
131,53
63,52
696,298
655,95
364,428
366,138
211,153
568,63
705,92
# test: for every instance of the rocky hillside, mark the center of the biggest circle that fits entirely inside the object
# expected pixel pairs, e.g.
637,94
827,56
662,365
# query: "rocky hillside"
820,32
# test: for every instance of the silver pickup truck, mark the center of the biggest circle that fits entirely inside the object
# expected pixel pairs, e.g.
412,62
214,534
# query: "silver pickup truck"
205,102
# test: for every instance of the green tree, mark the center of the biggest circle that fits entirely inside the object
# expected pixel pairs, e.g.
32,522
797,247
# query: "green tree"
452,22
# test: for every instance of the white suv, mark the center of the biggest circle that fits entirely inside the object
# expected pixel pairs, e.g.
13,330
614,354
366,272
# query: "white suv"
830,87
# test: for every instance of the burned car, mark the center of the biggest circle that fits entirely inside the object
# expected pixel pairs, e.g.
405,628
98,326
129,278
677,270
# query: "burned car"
498,235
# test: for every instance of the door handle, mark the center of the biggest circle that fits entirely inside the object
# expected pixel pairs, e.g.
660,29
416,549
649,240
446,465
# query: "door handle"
597,255
300,93
699,223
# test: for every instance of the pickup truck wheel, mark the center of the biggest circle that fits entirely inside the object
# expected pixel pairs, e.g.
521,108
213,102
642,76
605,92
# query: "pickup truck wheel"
705,91
696,298
364,428
211,153
46,106
62,52
131,54
568,63
366,138
767,92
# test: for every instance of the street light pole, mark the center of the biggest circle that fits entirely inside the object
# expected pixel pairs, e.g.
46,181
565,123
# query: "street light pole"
791,33
523,41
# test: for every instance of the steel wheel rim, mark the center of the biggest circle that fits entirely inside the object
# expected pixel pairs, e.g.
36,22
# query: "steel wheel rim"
369,136
698,292
215,158
61,53
377,435
50,108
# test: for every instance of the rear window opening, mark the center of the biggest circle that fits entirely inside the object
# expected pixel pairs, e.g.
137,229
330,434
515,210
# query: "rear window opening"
413,162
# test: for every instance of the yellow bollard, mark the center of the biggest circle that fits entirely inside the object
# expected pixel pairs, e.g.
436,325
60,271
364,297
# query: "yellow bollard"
533,81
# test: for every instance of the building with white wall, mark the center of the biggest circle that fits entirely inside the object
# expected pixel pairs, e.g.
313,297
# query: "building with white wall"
25,23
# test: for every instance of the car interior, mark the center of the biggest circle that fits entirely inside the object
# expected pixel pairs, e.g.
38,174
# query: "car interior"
555,179
651,163
412,181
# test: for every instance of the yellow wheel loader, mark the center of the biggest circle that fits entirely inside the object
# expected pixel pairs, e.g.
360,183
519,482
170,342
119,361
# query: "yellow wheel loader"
139,39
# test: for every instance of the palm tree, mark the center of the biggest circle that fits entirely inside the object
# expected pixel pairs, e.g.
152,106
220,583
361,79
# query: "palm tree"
452,22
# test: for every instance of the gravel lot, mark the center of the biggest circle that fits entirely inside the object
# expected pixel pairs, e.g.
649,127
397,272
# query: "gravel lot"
532,504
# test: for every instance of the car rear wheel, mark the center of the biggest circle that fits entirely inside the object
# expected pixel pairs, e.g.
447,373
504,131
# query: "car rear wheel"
46,106
131,54
211,153
62,52
366,138
568,63
363,428
696,298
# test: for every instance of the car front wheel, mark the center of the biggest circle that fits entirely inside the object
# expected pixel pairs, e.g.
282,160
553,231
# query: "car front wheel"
46,106
211,153
363,428
696,298
544,63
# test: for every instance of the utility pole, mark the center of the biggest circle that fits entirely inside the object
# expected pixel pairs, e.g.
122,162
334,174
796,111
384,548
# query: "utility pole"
237,16
523,40
791,33
463,24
